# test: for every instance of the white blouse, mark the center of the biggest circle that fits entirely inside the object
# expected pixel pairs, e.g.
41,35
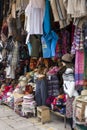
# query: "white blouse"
37,3
34,14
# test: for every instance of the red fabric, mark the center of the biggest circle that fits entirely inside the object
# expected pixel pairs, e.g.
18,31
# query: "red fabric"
7,89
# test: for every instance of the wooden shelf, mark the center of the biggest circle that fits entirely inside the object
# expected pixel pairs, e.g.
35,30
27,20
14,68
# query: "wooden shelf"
61,115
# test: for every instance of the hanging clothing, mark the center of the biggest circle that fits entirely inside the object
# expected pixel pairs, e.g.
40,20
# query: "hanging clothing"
53,85
76,8
37,3
54,10
13,10
59,13
47,18
35,41
58,50
12,28
49,42
79,68
65,37
34,16
14,62
21,4
41,91
77,43
46,46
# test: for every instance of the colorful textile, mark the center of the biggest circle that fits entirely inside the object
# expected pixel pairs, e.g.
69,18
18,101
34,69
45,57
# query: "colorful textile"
58,52
53,85
65,41
79,67
49,100
69,107
77,43
53,71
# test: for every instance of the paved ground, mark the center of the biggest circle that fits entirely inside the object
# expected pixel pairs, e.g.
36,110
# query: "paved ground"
9,120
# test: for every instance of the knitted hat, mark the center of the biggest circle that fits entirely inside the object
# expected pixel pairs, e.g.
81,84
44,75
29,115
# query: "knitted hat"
67,57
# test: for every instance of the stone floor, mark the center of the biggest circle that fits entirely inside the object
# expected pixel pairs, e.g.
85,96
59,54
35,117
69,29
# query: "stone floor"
9,120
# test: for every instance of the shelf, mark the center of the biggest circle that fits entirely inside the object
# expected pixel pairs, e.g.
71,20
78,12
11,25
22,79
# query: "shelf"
57,113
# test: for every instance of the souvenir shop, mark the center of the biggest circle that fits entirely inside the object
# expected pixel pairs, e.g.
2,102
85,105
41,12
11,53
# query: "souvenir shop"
43,57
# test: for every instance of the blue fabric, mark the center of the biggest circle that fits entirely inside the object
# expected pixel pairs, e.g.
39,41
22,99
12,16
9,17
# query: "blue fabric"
29,48
49,42
53,43
46,20
46,46
41,92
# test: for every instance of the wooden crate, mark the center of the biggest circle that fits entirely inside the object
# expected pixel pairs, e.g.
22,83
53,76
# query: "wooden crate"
80,109
43,114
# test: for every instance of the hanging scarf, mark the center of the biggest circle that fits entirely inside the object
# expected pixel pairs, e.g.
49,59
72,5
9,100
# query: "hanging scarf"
79,67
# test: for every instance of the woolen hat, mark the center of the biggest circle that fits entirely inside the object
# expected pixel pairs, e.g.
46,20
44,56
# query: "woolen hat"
67,57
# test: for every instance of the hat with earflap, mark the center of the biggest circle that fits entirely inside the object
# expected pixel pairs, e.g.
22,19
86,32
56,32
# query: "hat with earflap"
67,58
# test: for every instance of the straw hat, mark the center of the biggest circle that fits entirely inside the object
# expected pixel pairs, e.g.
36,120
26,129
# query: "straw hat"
67,57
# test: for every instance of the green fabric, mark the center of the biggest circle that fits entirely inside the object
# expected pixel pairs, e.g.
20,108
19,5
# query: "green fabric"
82,127
85,67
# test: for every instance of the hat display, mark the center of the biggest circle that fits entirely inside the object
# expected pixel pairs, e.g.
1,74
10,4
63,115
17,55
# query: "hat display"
67,57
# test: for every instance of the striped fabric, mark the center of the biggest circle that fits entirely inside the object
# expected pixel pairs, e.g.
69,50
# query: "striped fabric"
69,107
59,13
78,50
76,8
79,68
54,10
77,43
28,104
53,86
